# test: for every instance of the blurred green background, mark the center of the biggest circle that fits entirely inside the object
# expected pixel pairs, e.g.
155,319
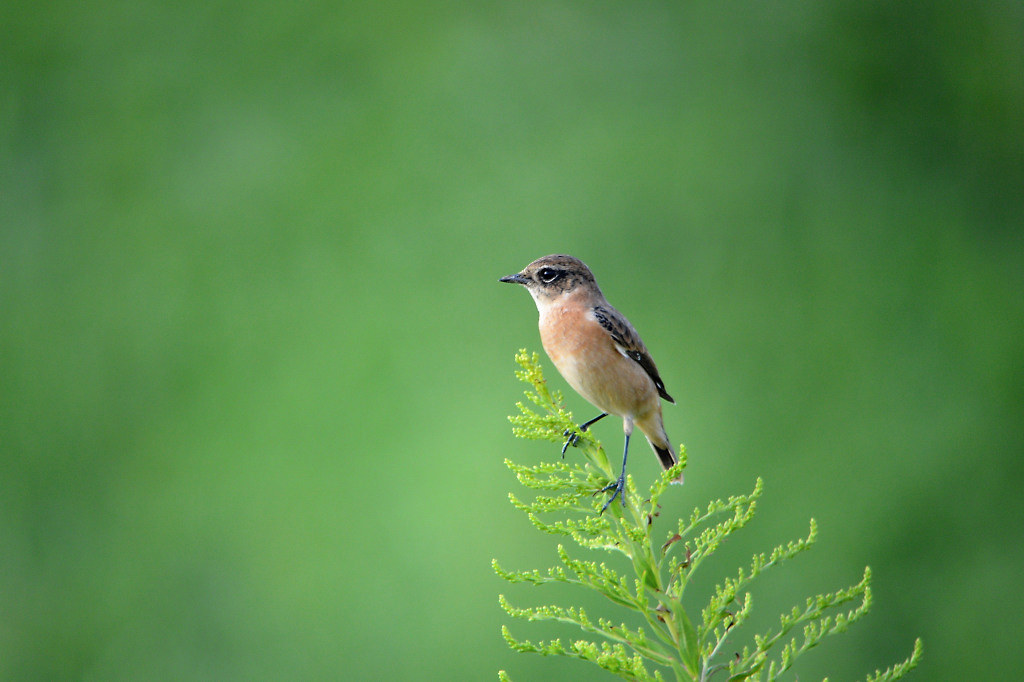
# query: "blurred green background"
255,363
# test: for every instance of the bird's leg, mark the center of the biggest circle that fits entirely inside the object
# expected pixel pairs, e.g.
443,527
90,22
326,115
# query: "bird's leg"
574,438
619,485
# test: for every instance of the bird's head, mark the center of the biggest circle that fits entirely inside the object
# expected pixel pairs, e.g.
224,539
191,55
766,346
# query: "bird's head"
551,278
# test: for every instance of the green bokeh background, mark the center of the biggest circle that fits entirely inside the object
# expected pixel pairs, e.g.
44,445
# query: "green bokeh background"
255,362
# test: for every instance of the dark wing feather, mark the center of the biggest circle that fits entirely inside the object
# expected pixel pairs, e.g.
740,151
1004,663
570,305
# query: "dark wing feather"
626,338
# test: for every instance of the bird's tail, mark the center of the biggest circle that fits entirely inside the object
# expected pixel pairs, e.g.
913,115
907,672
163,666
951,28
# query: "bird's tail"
654,430
667,457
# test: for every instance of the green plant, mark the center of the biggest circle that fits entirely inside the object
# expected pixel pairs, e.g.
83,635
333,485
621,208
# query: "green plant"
669,641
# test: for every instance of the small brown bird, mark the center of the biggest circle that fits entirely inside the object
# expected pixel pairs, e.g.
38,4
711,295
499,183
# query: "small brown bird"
598,352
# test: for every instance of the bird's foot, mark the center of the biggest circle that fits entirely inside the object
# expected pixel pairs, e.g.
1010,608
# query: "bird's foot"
619,486
573,439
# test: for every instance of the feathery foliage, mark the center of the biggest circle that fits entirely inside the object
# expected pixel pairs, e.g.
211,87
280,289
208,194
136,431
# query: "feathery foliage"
670,644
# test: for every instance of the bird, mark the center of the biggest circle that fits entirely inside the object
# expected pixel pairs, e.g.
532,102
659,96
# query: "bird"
599,353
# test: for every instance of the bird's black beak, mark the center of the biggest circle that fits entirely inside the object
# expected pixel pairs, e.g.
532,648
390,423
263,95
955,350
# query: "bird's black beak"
514,279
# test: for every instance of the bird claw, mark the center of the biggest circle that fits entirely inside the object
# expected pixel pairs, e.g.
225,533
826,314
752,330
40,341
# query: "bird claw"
619,485
573,439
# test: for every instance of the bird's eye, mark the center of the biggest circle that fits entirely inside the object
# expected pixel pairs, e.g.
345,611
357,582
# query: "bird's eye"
548,275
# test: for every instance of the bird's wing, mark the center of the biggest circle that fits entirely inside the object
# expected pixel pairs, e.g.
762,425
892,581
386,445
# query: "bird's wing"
628,342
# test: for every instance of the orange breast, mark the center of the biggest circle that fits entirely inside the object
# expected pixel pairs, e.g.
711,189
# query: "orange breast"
586,357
